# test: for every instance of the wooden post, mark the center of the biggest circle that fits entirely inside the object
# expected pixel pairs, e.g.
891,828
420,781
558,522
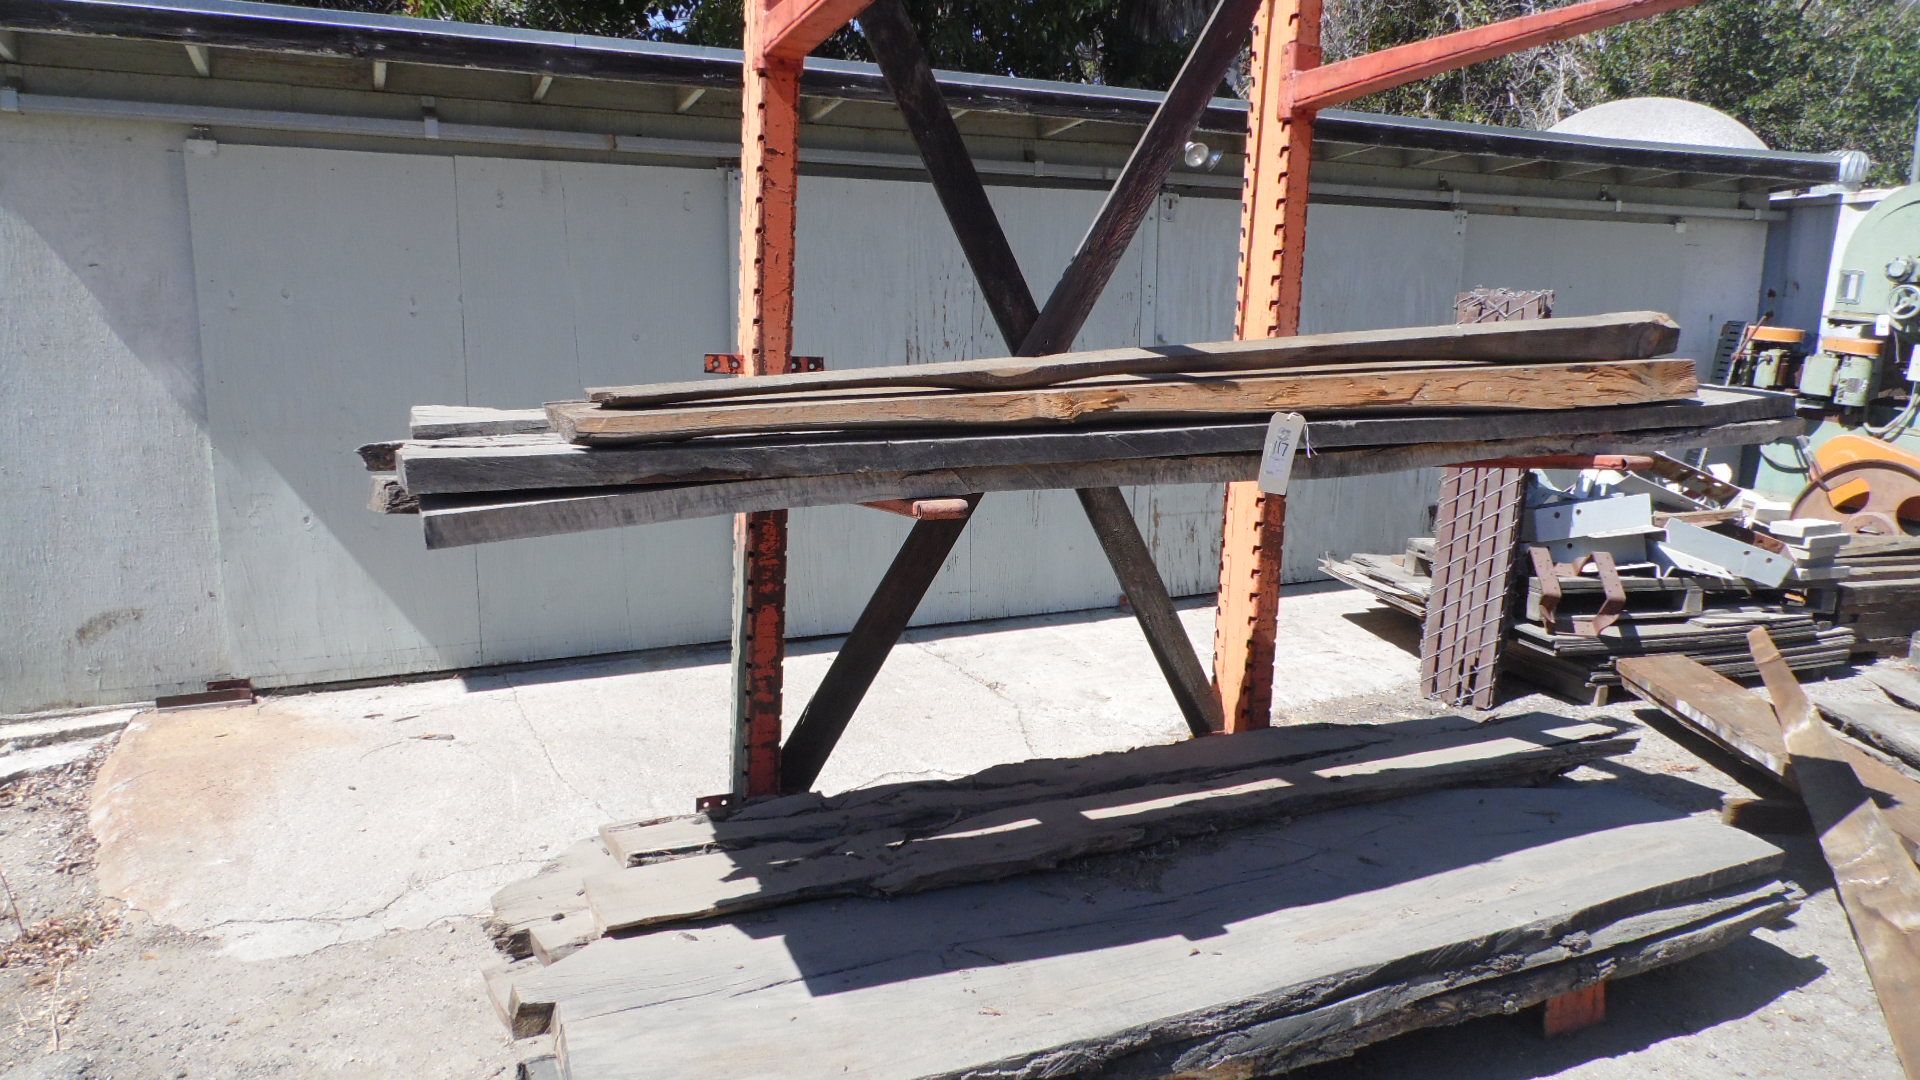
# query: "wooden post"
769,176
1273,221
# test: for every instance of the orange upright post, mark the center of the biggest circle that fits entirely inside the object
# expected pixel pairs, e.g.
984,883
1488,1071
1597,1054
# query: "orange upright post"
1273,223
1289,87
769,178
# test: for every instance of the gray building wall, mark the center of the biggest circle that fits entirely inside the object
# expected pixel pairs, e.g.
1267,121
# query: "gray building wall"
193,336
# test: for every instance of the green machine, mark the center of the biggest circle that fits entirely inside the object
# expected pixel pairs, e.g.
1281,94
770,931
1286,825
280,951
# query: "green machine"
1859,375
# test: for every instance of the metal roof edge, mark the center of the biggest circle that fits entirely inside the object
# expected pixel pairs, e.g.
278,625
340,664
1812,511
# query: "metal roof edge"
242,24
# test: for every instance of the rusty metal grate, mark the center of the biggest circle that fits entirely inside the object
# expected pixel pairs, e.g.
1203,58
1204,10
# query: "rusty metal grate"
1499,305
1473,550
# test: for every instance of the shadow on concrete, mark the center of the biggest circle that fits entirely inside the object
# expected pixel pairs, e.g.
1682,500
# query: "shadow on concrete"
1392,626
1663,1004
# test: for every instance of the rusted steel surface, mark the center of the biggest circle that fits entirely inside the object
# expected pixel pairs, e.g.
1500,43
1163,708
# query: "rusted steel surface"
1273,222
719,363
924,509
1502,305
1879,885
1574,1010
769,179
1616,462
1477,522
760,618
1356,78
1549,574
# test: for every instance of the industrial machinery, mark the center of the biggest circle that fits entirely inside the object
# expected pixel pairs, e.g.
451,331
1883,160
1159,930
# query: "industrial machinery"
1859,384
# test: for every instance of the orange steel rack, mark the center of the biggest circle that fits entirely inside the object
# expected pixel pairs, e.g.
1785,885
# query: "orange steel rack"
1289,86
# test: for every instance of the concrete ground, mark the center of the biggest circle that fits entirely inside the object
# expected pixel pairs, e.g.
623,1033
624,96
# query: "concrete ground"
291,889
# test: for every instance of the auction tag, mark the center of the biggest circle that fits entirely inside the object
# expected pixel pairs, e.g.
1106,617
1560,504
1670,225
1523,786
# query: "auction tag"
1276,454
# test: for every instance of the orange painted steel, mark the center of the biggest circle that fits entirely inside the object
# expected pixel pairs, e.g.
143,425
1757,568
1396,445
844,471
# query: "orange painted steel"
1289,87
769,181
1273,220
795,28
1349,79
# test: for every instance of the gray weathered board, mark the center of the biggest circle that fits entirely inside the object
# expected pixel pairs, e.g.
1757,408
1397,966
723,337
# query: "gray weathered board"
455,520
1307,931
1891,729
1629,335
507,461
934,803
1041,834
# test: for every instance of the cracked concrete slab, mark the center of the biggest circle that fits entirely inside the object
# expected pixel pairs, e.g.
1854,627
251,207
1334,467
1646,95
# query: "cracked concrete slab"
312,820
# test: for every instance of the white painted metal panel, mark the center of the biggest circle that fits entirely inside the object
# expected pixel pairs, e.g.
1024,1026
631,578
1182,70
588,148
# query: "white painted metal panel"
879,280
329,301
108,585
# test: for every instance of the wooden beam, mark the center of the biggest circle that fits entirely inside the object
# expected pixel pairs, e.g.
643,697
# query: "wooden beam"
1140,180
903,62
795,28
1273,222
1337,83
1632,335
1430,385
453,521
873,635
1878,884
1132,562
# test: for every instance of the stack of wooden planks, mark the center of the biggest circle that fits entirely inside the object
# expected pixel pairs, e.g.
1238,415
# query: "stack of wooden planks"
1876,594
1379,401
1240,904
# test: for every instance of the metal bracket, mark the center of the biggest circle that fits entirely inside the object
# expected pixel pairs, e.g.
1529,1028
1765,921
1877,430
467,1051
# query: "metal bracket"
714,805
1550,574
720,363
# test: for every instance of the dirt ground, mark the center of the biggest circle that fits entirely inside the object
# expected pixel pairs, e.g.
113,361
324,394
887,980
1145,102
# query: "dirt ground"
90,990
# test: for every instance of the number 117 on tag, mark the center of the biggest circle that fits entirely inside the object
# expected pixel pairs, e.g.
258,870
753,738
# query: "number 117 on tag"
1284,433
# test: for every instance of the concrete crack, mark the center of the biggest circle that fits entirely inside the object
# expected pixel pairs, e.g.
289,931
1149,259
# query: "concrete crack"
521,708
1019,711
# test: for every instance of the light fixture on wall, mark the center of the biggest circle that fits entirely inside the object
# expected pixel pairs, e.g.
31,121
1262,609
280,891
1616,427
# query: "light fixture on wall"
1198,156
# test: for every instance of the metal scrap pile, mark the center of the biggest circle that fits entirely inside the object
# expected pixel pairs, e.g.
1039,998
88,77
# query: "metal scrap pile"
1662,559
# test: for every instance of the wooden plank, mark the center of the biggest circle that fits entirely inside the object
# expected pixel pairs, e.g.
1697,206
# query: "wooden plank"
1897,681
391,497
1504,387
557,889
1342,918
1161,143
453,521
1890,729
1877,881
505,463
1634,335
464,421
903,62
928,803
1743,724
1036,836
1132,562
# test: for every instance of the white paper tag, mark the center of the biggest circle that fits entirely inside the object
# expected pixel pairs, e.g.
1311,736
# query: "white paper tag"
1276,454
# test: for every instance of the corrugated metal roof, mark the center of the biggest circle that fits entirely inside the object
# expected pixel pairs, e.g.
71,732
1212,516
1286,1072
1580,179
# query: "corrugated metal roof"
398,39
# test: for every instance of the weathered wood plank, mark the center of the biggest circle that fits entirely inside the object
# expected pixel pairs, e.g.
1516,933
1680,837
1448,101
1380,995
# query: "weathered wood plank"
455,520
557,889
1634,335
1878,884
465,421
1406,901
926,804
1040,835
1898,682
1618,382
506,463
1891,729
1743,724
391,497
